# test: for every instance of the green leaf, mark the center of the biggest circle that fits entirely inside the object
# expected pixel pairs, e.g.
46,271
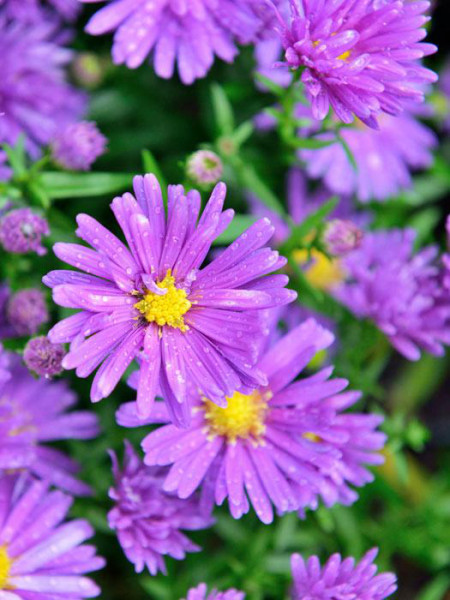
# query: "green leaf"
242,133
237,226
38,192
16,156
273,87
436,590
250,179
312,221
223,112
151,166
77,185
347,151
424,222
310,143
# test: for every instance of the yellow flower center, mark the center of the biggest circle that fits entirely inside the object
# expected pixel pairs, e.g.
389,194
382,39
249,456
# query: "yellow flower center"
321,272
168,309
5,567
312,437
344,55
242,418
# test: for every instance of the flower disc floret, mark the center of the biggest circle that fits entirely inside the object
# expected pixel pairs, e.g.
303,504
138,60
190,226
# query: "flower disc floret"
5,566
166,308
243,417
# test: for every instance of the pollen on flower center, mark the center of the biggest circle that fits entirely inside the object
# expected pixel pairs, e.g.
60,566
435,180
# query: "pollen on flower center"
321,271
5,567
168,309
243,417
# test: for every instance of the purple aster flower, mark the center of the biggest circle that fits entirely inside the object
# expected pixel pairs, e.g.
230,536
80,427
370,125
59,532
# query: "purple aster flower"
341,237
154,302
148,521
34,96
32,11
285,445
399,290
43,357
23,312
362,57
201,593
189,33
340,579
204,167
21,231
384,158
34,412
41,555
78,146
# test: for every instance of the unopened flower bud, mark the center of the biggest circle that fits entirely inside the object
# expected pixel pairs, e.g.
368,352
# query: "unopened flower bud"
21,231
204,167
26,311
341,237
78,146
88,70
43,357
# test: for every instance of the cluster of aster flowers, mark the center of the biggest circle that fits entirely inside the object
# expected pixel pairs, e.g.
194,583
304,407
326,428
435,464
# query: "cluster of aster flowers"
239,412
284,445
337,579
154,303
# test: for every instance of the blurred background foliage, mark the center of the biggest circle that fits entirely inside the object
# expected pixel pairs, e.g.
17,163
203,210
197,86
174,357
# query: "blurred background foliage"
152,124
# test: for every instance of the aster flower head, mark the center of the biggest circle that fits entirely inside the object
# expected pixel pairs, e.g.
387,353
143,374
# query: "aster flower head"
25,312
154,302
399,290
35,99
341,237
204,167
284,445
361,57
340,579
189,33
149,521
42,556
384,158
42,357
201,593
34,412
77,146
21,231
